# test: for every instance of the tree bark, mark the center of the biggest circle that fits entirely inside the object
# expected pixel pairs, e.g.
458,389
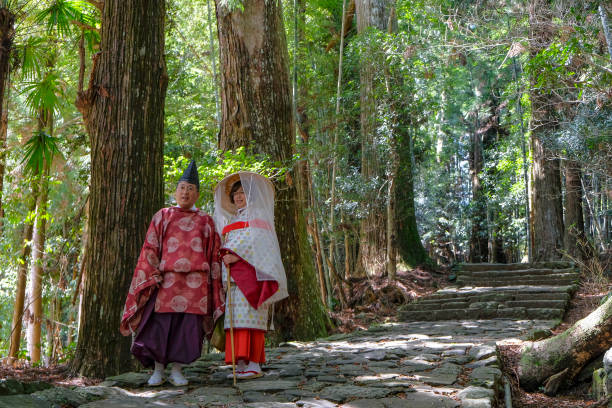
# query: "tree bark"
7,34
575,237
35,307
547,209
409,243
20,290
568,351
373,241
123,110
603,15
256,112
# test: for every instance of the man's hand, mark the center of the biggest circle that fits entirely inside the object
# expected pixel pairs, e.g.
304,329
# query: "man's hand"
230,259
158,279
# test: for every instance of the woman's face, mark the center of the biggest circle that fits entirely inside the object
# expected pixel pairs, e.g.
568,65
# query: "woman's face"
240,198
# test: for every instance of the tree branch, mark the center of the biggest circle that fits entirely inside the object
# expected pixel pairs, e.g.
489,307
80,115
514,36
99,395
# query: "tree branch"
85,26
97,4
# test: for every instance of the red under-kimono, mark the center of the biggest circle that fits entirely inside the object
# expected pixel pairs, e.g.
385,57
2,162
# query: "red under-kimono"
180,251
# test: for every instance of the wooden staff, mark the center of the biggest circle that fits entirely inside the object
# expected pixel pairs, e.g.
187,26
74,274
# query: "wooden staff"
231,319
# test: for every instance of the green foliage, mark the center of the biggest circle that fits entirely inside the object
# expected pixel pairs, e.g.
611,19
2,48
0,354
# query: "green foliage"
47,94
61,15
214,166
40,150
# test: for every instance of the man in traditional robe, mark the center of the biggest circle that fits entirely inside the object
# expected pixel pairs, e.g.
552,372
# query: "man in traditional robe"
176,294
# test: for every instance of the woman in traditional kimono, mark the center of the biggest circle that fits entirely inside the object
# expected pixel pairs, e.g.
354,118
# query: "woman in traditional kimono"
244,216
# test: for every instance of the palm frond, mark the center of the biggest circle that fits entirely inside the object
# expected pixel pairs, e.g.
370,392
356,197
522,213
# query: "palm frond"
40,150
61,13
31,56
46,94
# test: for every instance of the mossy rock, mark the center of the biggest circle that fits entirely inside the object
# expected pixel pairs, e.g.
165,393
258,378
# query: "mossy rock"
598,387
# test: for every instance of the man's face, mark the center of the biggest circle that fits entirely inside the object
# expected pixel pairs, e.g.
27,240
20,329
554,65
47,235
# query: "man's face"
186,195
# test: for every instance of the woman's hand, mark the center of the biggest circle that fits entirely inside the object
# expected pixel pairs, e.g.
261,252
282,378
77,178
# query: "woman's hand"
229,259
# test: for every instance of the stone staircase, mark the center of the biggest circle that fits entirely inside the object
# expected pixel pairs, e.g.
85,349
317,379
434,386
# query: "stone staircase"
486,291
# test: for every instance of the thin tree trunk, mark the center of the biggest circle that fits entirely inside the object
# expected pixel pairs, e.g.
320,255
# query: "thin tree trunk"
323,277
332,205
20,290
575,238
123,111
519,108
603,15
213,62
547,206
597,233
35,307
7,34
256,111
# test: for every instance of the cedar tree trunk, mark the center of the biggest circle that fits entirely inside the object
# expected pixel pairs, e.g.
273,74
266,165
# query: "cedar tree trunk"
256,113
547,209
373,241
576,243
123,110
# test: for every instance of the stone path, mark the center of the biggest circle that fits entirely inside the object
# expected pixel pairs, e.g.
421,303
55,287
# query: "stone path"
417,365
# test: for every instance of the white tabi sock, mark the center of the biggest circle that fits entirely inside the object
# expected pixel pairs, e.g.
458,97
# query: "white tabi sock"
176,376
157,378
253,367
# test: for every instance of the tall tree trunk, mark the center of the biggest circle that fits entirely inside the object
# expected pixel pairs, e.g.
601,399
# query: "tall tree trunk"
123,110
409,243
575,237
479,236
547,209
35,307
7,34
373,242
256,112
20,290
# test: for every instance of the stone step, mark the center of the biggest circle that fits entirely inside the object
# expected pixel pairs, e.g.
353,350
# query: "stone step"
484,313
450,292
500,296
532,280
513,266
518,273
534,303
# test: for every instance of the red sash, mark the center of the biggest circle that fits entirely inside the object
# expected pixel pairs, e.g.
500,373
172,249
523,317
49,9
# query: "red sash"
257,223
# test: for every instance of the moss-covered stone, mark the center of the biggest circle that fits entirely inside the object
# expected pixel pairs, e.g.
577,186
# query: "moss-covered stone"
598,387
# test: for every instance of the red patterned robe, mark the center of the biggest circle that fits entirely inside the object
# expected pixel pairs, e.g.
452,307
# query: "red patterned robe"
180,251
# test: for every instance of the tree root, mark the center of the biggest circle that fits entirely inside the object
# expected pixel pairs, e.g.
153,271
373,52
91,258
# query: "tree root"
552,384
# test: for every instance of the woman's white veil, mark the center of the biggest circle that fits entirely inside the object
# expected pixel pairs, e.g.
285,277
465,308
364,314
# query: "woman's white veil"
262,245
